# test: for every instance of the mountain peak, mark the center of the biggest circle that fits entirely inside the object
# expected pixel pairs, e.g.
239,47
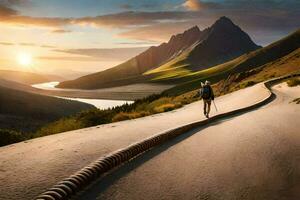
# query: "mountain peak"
223,21
192,32
224,42
194,29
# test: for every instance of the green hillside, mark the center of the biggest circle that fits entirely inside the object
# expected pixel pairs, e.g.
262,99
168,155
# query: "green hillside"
22,111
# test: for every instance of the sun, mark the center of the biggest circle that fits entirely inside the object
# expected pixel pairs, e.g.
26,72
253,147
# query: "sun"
24,59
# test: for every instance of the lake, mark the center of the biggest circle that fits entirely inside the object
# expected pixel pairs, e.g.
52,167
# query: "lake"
99,103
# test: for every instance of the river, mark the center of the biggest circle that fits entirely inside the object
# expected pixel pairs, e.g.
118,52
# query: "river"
99,103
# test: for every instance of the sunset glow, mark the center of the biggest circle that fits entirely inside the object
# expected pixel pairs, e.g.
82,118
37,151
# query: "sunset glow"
24,59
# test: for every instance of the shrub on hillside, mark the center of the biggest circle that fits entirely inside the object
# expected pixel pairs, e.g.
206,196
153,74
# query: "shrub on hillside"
9,137
125,116
293,82
95,117
166,107
62,125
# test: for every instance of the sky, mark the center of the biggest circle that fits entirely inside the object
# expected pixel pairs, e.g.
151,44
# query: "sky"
75,37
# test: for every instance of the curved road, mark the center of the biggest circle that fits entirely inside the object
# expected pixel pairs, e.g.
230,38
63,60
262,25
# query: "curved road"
30,167
252,156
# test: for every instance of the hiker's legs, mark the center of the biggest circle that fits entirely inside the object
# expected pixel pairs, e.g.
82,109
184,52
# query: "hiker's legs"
208,107
204,106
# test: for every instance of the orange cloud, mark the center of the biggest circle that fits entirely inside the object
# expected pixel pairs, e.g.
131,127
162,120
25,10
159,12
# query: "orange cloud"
35,21
131,18
193,5
117,20
105,54
196,5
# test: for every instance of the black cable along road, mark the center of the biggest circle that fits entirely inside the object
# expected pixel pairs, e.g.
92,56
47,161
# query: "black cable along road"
81,179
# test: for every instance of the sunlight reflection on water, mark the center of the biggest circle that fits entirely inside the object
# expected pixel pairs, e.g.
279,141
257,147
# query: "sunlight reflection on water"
99,103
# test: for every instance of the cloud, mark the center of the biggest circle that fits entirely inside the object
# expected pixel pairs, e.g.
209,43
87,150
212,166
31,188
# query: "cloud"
117,20
197,5
9,15
132,18
14,2
115,54
266,15
36,21
47,46
60,31
193,5
6,43
156,33
6,11
69,58
126,6
138,43
27,44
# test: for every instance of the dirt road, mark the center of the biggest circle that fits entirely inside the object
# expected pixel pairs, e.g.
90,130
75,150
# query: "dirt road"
252,156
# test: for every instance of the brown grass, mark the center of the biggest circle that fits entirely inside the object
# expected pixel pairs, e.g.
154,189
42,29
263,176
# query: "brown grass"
293,82
132,115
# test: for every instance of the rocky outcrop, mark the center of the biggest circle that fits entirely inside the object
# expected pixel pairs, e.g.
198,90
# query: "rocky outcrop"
224,42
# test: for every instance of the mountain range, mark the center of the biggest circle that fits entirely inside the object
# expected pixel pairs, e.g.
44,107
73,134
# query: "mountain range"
184,53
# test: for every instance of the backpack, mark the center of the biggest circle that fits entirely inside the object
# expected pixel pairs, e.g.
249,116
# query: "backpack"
205,92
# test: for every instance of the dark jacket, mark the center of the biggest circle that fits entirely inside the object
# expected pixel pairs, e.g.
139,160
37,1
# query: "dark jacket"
211,93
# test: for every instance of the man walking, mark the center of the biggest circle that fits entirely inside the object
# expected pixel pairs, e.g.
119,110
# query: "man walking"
207,95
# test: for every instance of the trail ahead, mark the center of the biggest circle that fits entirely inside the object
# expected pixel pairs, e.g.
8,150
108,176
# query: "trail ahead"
28,168
252,156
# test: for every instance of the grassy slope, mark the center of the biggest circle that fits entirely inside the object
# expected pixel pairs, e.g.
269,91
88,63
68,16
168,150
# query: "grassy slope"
282,66
246,62
293,82
128,69
176,67
22,111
